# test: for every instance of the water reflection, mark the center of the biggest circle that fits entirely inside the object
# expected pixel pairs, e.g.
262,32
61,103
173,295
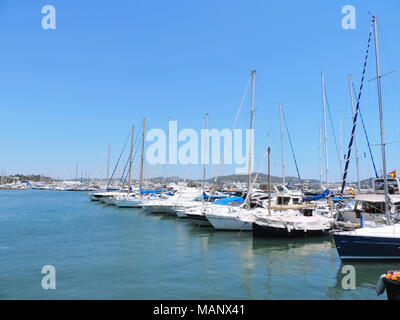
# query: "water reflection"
367,273
234,264
295,268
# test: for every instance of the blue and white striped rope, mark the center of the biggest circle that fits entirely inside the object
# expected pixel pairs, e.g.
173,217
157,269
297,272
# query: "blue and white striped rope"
356,113
366,136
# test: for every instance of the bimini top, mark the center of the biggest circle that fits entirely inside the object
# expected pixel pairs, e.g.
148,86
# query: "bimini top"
318,196
153,191
212,197
225,201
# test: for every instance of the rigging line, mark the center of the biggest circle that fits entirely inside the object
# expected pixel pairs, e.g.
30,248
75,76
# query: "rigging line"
366,136
233,128
133,158
291,146
333,130
137,146
119,158
356,111
127,172
123,172
255,180
380,144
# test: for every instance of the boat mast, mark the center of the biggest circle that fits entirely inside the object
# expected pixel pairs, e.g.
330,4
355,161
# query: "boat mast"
253,75
341,143
378,80
325,131
130,161
282,158
355,135
108,164
142,157
205,153
320,156
269,175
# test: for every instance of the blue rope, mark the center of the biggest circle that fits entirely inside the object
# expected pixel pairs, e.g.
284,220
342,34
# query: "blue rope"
123,172
291,146
366,137
356,113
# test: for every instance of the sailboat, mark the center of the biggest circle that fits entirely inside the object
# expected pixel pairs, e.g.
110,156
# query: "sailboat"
227,215
185,198
289,216
376,241
107,196
130,200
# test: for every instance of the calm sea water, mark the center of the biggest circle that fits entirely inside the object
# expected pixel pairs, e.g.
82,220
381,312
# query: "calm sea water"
103,252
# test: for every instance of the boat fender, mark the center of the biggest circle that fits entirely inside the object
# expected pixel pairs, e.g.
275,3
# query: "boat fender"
380,286
393,275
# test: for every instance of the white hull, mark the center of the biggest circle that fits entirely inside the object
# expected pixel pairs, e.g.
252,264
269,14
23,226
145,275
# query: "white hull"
229,223
127,203
297,223
169,209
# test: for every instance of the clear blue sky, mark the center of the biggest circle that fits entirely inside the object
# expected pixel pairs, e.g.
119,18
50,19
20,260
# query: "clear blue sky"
66,94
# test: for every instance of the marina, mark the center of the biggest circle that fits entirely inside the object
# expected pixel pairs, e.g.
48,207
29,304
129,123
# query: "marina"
181,157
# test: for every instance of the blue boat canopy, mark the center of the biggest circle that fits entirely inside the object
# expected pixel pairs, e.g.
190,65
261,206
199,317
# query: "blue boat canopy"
225,201
206,197
152,191
318,196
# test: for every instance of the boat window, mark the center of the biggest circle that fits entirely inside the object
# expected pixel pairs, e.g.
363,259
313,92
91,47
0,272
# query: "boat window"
374,207
296,200
307,212
393,187
283,200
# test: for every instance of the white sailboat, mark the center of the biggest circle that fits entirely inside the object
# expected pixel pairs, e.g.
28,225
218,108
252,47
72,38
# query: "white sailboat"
289,217
128,200
132,200
233,215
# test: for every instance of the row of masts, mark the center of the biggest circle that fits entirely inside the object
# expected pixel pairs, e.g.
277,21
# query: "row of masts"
340,137
325,131
281,127
131,159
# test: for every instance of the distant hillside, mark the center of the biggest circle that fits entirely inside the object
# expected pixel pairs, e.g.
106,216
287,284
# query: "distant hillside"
160,180
366,183
262,179
22,177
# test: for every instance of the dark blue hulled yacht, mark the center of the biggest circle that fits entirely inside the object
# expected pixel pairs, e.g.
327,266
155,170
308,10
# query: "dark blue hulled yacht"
379,237
373,241
381,242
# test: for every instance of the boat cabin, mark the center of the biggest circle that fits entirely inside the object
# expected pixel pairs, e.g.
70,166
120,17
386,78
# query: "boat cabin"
393,185
372,204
